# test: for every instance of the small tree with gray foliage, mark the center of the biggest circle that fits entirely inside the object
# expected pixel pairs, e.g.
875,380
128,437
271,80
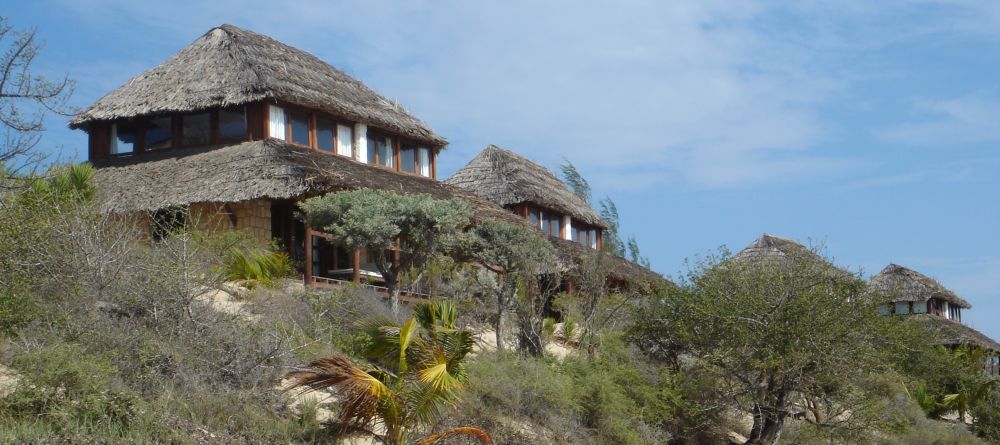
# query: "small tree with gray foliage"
419,224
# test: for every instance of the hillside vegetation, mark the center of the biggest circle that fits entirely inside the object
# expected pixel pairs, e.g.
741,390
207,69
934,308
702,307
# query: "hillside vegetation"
114,341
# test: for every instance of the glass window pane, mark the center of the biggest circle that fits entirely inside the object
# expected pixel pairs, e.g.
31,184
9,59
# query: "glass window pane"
233,123
574,236
122,138
385,152
545,222
593,238
277,122
157,133
919,307
424,161
533,217
902,307
408,158
300,127
372,144
345,140
196,129
324,134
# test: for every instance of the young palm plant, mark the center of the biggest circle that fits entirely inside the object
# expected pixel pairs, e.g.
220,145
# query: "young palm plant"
415,370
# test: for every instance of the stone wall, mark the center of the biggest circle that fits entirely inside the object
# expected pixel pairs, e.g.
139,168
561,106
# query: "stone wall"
253,217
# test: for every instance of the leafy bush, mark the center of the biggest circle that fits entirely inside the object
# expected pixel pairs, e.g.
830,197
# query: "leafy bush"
257,267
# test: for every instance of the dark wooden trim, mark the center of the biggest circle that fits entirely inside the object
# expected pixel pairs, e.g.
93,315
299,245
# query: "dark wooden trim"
357,266
307,273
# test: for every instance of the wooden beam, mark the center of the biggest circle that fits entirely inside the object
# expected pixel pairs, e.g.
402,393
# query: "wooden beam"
357,266
308,272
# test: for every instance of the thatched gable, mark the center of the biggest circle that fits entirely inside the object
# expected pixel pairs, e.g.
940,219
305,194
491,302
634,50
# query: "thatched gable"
268,169
783,250
954,333
508,178
903,284
232,66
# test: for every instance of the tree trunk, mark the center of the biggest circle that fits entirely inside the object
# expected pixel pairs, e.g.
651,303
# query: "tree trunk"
392,286
767,423
499,323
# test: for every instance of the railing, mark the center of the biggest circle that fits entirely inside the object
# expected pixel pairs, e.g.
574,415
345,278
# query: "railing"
404,293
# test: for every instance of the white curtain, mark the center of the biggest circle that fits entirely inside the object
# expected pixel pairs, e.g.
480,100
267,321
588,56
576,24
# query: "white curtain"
361,141
115,149
345,140
424,161
276,122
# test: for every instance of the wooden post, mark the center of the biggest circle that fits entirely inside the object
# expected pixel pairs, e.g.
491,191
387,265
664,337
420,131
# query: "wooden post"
570,290
357,266
308,273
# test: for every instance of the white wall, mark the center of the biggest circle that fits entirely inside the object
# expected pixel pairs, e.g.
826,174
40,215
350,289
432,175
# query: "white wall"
361,143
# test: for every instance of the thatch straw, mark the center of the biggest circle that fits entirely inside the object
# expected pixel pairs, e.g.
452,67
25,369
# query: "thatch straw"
903,284
508,178
233,66
273,169
954,333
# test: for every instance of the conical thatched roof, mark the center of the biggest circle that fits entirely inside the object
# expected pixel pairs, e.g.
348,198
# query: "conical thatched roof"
508,178
232,66
782,250
954,333
268,169
903,284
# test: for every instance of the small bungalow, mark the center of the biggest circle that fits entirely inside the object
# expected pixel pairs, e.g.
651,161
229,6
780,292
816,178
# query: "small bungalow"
236,128
912,293
532,192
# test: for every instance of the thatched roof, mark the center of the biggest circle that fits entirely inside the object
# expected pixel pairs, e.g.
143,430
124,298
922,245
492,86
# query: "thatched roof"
232,66
268,169
618,267
954,333
903,284
782,250
508,178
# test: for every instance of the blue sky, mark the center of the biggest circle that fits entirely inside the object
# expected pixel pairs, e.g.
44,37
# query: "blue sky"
871,127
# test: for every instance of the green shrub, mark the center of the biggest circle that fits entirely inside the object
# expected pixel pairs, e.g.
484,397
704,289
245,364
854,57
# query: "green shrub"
256,267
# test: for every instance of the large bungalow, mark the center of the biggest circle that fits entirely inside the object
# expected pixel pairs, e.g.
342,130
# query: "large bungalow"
909,292
237,127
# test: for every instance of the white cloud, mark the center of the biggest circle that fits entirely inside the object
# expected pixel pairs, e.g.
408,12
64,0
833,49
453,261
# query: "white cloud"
968,119
712,93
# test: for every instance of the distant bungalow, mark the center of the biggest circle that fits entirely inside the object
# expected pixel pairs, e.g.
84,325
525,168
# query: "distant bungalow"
236,128
913,293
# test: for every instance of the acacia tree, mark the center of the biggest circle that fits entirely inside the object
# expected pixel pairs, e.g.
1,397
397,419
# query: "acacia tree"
25,98
774,333
515,255
417,224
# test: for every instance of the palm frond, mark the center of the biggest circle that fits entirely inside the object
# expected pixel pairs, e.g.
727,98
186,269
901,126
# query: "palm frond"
468,431
362,393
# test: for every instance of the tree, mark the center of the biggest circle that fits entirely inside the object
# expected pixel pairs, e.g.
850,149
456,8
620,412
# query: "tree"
417,368
418,225
575,181
774,333
25,98
612,240
635,255
514,254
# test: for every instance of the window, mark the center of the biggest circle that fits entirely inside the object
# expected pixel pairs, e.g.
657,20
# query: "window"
157,133
574,235
533,217
345,141
883,309
592,234
276,123
554,225
196,129
324,134
545,222
424,161
902,307
920,307
123,136
408,158
385,152
299,121
370,152
233,124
